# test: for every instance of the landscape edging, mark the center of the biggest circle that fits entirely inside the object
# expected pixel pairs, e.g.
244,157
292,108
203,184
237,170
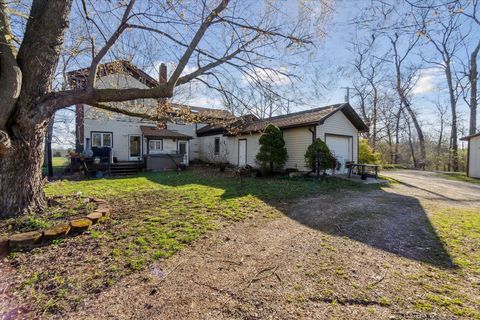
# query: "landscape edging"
74,226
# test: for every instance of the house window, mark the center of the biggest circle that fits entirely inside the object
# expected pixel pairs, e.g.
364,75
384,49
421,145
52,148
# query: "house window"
155,146
102,139
217,146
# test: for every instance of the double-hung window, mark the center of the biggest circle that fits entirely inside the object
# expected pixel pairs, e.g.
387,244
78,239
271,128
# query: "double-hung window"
155,146
102,139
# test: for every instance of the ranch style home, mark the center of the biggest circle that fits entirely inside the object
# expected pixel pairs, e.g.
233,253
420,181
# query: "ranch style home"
135,139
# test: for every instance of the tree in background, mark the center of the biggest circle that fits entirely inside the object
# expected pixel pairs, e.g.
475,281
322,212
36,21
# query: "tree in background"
416,40
273,154
366,153
319,153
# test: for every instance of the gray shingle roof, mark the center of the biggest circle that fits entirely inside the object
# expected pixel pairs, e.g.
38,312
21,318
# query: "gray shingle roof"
292,120
297,119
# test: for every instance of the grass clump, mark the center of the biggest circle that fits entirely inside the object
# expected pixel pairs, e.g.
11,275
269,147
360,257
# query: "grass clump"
460,176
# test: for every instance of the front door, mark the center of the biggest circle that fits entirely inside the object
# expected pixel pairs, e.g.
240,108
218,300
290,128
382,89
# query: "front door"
242,152
134,148
183,149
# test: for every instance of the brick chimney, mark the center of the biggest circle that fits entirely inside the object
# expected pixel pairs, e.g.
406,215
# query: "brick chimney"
163,73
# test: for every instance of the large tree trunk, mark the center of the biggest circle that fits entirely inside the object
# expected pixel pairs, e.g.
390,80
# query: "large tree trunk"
397,133
374,115
410,142
419,163
473,75
453,106
439,146
21,183
20,165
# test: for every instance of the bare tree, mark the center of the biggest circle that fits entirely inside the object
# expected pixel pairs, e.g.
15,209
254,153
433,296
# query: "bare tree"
442,29
405,80
467,79
473,79
389,21
368,66
29,58
442,123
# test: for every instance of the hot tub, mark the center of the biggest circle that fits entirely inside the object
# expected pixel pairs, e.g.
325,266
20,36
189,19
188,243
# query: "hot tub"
162,162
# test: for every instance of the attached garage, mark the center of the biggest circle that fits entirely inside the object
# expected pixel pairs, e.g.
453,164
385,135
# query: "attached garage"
338,125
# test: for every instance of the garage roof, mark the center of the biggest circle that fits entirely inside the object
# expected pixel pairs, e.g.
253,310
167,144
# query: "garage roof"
297,119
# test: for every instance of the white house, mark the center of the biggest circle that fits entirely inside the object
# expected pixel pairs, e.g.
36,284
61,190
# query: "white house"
130,139
473,155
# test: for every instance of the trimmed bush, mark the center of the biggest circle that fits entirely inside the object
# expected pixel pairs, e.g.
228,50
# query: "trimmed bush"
273,154
327,160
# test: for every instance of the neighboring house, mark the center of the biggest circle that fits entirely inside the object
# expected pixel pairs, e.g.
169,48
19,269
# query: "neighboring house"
338,125
473,155
131,138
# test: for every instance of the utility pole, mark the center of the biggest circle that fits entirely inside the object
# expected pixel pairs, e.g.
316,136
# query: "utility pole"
347,96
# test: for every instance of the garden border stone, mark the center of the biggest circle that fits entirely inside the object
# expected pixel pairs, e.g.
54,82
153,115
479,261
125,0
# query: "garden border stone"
3,245
78,225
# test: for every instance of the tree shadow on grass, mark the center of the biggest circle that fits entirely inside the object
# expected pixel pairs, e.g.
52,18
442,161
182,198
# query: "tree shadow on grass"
387,221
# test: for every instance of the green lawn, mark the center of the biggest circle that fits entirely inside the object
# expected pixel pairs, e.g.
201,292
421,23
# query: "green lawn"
58,164
153,216
460,176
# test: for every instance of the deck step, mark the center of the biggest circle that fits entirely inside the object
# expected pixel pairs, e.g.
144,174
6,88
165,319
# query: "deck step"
125,168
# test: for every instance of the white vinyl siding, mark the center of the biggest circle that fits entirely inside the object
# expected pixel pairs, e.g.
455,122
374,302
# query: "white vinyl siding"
121,130
252,148
206,147
297,141
474,157
338,124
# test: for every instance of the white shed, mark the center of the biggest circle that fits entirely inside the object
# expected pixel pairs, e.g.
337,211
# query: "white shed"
473,155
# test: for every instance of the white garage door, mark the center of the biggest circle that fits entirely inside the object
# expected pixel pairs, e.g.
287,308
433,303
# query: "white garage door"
341,148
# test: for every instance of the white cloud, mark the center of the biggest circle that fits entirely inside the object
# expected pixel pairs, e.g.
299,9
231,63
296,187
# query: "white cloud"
428,81
204,102
275,76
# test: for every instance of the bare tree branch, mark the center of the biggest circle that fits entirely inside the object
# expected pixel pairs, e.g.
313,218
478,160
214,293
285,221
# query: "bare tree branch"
96,60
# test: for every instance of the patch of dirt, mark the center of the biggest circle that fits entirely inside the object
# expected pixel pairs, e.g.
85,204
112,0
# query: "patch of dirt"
355,255
10,306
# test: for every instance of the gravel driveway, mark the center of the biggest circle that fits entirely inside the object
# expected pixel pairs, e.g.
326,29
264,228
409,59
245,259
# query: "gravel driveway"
432,186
